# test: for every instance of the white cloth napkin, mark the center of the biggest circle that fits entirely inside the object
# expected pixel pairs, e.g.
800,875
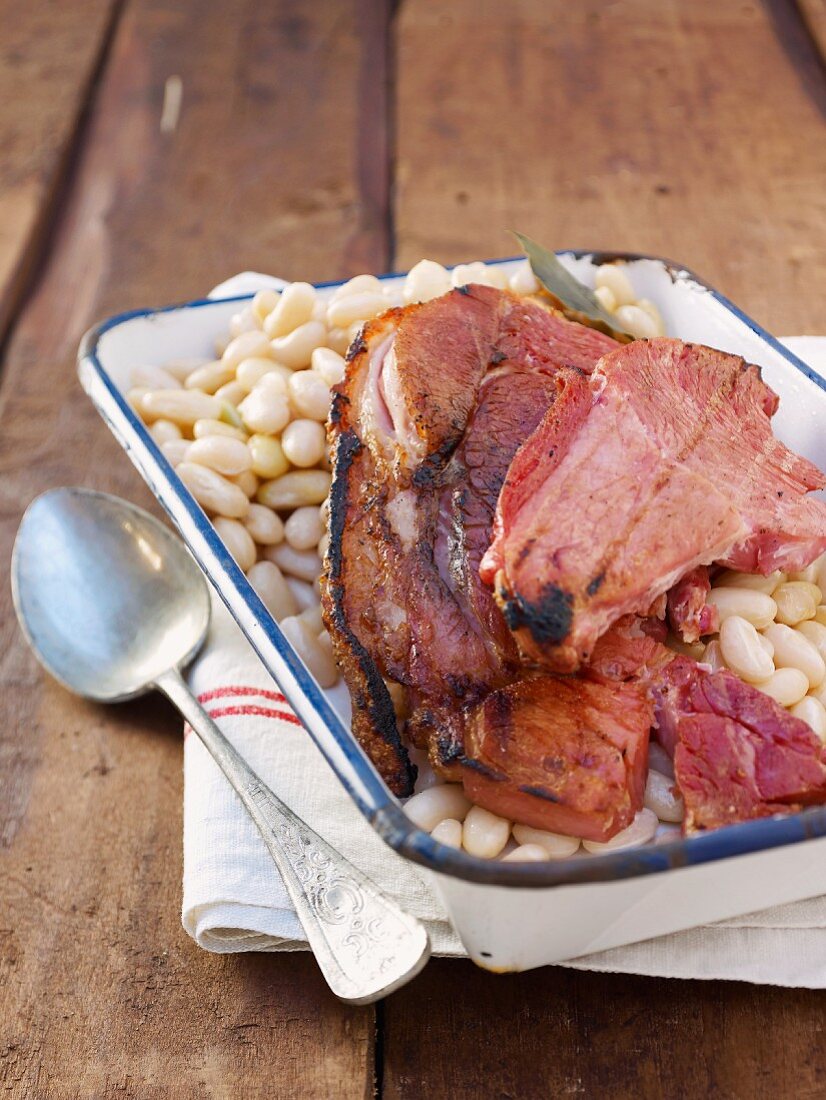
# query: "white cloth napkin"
233,899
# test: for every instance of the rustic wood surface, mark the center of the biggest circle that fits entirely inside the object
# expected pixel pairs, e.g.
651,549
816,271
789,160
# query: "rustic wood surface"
318,140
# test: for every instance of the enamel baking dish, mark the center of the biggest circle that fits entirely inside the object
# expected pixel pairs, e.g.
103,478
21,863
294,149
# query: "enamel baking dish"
510,916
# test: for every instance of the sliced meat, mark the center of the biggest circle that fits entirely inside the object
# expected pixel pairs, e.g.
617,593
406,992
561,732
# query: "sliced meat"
436,400
561,753
660,462
738,754
630,649
689,615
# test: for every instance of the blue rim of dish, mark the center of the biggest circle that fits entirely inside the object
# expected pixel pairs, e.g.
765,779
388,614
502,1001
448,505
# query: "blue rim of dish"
347,759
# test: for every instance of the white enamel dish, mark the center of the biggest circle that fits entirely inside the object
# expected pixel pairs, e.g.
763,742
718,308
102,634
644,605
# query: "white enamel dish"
510,916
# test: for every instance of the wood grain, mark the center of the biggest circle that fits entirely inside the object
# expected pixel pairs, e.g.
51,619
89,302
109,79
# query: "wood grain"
101,992
457,1032
49,54
678,129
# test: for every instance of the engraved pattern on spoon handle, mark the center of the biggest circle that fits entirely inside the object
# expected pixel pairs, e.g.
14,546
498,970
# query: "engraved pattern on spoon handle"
364,944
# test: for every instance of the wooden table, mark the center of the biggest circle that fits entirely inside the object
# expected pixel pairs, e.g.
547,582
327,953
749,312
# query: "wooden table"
317,140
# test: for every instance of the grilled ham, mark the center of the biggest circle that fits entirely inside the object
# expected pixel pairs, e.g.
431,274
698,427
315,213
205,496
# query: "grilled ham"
663,460
435,402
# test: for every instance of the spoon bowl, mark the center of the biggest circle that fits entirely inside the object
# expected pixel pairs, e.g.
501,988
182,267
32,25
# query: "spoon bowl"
108,598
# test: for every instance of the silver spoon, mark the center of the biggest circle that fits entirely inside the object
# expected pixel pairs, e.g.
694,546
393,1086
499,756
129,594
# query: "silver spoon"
113,606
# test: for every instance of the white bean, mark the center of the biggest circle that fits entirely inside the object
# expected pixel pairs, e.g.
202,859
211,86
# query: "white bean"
812,711
247,482
755,607
296,349
787,686
606,298
309,395
329,364
653,313
792,649
306,595
237,540
338,339
265,410
272,588
164,431
304,564
637,322
355,307
479,273
183,407
304,442
213,491
659,759
264,525
174,451
246,346
484,834
427,808
323,545
303,528
614,277
203,429
264,303
526,853
268,458
796,601
811,573
448,831
713,656
426,280
294,489
210,377
154,378
228,456
232,393
662,797
820,615
246,320
359,284
295,308
312,617
554,845
741,650
641,830
183,367
815,632
731,578
523,280
250,372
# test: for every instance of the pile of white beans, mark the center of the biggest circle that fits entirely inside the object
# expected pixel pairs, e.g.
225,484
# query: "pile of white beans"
773,635
245,433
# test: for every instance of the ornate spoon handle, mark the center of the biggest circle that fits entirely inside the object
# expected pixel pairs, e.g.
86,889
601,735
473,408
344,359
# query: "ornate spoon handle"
364,944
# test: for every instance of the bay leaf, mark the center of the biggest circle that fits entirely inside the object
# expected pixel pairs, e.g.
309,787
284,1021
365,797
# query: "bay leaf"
570,295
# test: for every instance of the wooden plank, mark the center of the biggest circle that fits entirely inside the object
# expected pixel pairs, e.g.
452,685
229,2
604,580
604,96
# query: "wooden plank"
101,991
49,53
457,1031
641,126
813,13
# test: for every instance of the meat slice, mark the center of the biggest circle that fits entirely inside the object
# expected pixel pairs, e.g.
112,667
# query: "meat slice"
738,754
436,400
561,753
660,462
689,615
